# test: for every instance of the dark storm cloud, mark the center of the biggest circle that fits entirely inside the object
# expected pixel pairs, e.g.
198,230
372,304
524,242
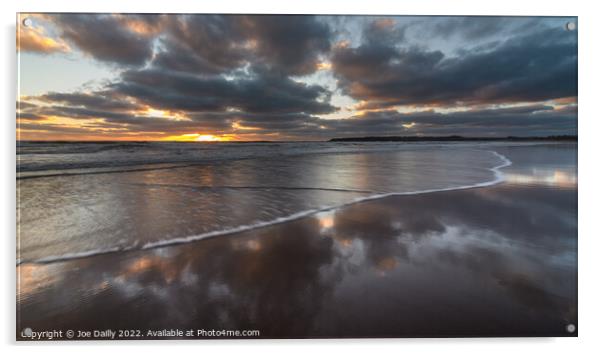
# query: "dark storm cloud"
262,92
97,100
105,37
202,44
29,116
56,128
517,121
291,44
144,24
535,67
384,31
214,44
286,122
85,113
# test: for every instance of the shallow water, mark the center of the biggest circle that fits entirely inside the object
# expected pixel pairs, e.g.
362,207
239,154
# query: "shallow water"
50,158
492,261
250,185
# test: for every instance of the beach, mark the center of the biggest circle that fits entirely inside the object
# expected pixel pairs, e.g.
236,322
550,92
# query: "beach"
465,243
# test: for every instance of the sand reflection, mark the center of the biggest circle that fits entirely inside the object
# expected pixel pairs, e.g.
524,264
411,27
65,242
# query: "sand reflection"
553,178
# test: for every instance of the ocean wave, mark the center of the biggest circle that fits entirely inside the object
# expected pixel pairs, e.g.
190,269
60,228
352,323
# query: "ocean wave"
38,160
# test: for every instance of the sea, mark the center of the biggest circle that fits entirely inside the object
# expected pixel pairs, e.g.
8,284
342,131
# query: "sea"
80,199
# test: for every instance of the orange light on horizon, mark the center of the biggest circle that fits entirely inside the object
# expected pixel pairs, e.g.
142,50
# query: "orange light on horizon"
201,137
208,137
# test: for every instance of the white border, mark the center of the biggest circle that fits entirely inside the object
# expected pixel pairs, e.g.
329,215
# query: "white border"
590,174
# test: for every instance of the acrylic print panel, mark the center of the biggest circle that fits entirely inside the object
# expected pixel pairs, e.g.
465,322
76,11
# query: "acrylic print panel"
271,176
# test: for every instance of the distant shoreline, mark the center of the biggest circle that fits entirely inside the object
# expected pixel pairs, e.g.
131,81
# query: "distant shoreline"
455,138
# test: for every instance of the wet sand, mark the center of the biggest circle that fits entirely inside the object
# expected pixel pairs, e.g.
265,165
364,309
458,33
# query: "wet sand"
490,261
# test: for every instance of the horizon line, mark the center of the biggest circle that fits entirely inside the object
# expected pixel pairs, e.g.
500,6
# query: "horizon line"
334,139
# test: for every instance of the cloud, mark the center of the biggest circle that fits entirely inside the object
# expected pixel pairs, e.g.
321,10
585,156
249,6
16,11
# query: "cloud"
29,116
515,121
530,120
384,31
106,38
290,44
535,67
33,39
260,92
98,100
211,44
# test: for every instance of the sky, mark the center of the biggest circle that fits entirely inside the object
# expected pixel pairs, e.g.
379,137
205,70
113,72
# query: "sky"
284,77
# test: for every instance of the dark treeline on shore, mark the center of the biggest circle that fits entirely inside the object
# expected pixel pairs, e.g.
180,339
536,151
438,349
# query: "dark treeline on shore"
458,138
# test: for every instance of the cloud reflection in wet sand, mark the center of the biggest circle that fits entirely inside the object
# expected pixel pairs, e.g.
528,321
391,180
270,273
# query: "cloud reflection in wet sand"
489,261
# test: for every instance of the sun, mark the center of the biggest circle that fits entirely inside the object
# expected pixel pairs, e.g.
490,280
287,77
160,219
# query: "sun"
208,137
203,138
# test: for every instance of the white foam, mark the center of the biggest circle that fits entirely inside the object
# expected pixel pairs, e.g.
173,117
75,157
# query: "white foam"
68,256
498,178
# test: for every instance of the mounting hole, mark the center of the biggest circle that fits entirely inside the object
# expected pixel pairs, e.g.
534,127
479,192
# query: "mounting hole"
26,22
570,328
570,26
27,332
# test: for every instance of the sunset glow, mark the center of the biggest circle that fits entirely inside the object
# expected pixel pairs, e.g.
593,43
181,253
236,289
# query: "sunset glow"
209,137
200,138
